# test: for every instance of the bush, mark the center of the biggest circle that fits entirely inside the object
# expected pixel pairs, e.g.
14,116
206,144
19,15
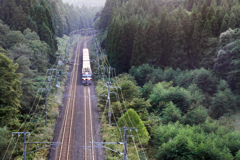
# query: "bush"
132,119
223,102
147,89
170,75
195,116
140,73
171,113
237,157
179,96
176,141
205,80
185,79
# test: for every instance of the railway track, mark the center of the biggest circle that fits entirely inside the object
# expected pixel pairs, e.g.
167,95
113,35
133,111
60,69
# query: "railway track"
79,98
89,153
66,130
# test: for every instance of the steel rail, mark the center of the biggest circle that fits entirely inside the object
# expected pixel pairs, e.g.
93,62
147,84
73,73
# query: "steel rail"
70,107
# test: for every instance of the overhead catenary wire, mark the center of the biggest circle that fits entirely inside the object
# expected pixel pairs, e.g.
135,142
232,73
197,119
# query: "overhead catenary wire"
107,63
132,123
42,84
121,111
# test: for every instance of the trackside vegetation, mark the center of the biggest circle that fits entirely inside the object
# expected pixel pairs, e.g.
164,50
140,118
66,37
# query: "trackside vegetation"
178,65
33,36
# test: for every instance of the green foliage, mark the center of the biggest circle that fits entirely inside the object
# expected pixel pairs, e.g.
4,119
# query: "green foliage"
237,155
223,102
147,89
164,33
14,37
9,91
196,116
206,81
4,138
140,106
131,119
128,87
176,141
145,73
164,93
171,113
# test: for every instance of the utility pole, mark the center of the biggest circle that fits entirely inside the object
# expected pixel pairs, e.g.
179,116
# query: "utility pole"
100,144
51,78
25,143
103,77
50,81
125,140
56,80
109,102
46,95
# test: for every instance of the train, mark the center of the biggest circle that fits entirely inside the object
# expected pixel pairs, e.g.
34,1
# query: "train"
86,68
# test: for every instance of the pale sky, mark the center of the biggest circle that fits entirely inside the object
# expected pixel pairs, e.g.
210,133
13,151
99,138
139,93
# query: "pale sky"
86,2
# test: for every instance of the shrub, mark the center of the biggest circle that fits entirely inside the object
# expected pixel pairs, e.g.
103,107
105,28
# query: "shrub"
185,79
140,73
132,119
179,96
171,113
176,141
147,89
205,80
223,102
195,116
237,157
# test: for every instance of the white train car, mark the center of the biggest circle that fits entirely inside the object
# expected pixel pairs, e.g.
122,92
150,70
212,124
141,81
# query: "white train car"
86,68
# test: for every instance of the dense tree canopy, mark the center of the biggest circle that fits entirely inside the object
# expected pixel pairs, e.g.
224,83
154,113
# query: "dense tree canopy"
164,32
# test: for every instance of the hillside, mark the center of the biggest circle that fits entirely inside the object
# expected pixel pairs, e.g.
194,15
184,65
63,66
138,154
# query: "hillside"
178,64
33,34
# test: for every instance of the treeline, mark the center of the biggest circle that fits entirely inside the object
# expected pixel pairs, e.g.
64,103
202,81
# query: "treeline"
48,18
183,67
30,32
179,115
180,34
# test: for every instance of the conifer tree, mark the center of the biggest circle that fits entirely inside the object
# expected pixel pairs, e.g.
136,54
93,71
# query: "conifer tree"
232,21
224,25
7,11
179,52
204,12
196,38
214,26
46,35
40,17
25,6
20,19
139,55
207,31
214,3
210,13
152,47
132,119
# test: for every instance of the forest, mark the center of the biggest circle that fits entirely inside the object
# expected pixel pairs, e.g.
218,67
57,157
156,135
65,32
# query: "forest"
178,66
33,33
